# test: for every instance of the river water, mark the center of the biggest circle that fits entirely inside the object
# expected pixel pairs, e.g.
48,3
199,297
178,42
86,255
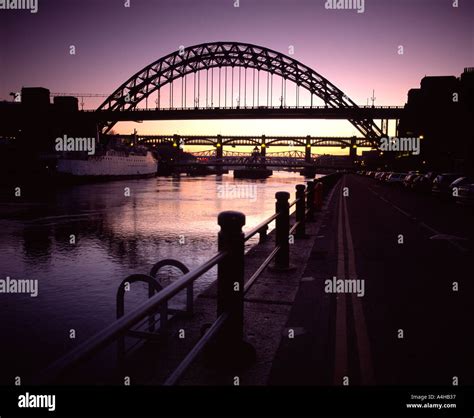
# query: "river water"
79,243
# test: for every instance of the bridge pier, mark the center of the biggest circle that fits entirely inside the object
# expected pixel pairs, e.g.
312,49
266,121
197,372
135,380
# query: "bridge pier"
263,147
176,141
219,147
307,150
353,149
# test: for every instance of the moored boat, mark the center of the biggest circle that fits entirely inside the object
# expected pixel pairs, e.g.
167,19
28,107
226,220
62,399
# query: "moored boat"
112,164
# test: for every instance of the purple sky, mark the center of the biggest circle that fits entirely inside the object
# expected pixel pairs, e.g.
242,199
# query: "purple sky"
355,51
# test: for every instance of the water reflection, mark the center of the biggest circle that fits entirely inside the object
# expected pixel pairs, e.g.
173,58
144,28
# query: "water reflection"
81,241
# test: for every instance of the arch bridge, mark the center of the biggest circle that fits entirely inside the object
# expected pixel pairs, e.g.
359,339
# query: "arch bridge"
235,80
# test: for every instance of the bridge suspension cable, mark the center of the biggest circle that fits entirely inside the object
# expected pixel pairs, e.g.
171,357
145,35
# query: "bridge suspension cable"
231,54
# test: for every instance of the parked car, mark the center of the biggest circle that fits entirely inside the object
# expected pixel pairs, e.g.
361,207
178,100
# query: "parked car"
466,194
456,184
442,182
425,182
385,176
396,178
382,175
377,175
408,179
415,181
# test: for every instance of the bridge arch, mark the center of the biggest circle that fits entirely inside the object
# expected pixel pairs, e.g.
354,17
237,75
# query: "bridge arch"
192,141
235,141
230,54
321,142
294,141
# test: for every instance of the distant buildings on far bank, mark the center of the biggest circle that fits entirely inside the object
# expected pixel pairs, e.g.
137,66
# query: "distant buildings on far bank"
441,114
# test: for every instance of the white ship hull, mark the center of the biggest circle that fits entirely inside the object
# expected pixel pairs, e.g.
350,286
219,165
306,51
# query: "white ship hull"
110,165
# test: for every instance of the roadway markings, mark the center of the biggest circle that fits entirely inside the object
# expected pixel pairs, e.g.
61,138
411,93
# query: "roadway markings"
363,345
427,227
452,240
341,362
449,238
362,339
408,215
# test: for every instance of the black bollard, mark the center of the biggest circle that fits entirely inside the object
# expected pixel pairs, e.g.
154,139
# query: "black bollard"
229,351
230,272
282,258
310,201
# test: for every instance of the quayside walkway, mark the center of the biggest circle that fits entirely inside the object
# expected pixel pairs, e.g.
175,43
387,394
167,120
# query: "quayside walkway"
370,286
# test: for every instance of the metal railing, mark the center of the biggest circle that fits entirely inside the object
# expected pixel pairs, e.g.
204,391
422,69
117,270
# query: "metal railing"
122,325
228,327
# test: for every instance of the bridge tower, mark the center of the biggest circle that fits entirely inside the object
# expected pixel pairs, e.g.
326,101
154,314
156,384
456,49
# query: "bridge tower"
219,147
307,150
263,147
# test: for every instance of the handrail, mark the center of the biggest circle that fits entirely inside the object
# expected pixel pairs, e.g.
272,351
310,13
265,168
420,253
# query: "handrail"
293,228
264,223
261,225
214,328
259,271
229,260
196,350
282,210
293,203
121,325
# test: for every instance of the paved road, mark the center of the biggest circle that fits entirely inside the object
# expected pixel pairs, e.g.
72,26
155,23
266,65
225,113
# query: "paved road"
408,326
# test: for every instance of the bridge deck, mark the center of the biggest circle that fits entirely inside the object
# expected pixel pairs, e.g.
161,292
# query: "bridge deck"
261,112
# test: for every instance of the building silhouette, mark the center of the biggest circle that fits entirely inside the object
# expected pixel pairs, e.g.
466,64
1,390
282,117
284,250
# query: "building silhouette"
441,113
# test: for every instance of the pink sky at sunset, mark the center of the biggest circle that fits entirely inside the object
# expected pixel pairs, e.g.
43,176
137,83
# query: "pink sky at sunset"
358,53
